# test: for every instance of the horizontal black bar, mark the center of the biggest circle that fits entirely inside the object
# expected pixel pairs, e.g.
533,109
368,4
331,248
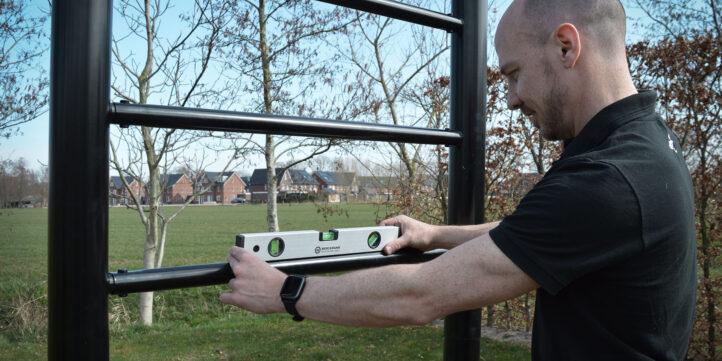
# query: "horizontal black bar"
403,12
218,120
120,283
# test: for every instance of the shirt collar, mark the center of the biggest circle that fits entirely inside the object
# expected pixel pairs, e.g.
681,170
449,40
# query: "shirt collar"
607,120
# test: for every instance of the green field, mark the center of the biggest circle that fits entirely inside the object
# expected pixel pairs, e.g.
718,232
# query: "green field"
191,324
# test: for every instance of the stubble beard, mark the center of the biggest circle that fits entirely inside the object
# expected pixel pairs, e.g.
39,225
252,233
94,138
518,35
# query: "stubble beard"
551,125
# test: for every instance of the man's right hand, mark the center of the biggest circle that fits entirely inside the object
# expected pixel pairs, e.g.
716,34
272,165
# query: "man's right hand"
414,234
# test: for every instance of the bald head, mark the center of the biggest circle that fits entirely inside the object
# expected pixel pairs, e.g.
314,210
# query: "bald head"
563,61
601,21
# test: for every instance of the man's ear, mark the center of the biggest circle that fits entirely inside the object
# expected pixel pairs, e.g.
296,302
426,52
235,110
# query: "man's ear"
568,44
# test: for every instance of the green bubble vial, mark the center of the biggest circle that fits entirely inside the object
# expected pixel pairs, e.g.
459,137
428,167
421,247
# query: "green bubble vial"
374,240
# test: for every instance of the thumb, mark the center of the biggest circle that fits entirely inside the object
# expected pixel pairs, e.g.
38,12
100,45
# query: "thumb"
395,245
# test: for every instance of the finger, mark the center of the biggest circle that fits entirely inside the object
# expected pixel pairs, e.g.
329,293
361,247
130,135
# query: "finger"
235,265
234,284
395,245
237,252
393,221
226,298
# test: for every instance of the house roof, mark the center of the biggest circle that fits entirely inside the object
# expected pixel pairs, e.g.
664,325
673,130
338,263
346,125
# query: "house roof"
377,182
301,177
246,179
167,180
259,176
219,177
117,183
336,178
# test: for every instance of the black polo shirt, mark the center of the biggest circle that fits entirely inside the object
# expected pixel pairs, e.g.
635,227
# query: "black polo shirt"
609,234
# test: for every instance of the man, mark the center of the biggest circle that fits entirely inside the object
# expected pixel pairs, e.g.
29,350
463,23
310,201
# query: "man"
606,237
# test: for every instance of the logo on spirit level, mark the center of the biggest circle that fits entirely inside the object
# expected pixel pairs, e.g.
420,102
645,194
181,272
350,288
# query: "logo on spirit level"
329,249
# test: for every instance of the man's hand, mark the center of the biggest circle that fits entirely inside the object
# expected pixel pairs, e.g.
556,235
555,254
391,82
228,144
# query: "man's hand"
414,234
256,286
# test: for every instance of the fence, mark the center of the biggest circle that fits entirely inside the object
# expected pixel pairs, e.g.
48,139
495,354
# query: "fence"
81,112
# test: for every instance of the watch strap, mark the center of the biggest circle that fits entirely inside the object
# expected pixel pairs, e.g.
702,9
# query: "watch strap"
290,302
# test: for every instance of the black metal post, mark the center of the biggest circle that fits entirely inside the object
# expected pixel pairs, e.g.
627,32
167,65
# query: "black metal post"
466,171
218,120
401,11
124,282
78,221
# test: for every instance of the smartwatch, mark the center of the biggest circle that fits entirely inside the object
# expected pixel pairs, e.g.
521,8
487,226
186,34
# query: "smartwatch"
291,292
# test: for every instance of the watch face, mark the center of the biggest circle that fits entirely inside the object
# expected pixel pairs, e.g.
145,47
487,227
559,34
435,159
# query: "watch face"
292,287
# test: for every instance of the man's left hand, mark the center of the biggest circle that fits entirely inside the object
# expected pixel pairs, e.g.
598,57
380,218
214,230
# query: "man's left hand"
256,286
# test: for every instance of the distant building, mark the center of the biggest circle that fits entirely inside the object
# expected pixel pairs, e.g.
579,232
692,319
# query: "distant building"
377,189
119,195
177,188
302,182
247,181
342,183
222,187
292,185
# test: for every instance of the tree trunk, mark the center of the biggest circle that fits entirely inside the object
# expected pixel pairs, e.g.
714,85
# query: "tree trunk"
271,186
151,239
270,149
709,290
161,244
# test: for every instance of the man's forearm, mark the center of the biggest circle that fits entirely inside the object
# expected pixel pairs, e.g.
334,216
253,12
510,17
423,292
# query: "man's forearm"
386,296
472,275
448,237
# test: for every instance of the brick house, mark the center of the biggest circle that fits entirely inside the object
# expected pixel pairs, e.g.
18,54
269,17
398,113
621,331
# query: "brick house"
259,188
222,187
302,182
341,183
177,188
119,195
296,184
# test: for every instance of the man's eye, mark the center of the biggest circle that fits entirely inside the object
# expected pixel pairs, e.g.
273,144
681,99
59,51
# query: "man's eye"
514,75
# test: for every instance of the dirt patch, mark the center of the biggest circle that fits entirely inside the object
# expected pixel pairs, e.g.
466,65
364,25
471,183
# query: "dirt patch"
498,334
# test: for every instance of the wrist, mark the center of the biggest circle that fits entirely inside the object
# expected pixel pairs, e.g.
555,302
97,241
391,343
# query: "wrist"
291,293
434,233
278,306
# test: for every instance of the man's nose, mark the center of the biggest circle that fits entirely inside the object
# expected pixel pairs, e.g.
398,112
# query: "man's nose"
513,101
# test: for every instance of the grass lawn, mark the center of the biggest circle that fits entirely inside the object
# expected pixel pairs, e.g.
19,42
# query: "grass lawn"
190,323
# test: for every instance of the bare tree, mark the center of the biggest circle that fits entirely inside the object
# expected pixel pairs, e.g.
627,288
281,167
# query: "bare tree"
385,81
171,71
273,46
20,185
23,83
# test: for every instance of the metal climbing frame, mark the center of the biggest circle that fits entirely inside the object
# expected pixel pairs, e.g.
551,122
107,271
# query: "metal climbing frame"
79,283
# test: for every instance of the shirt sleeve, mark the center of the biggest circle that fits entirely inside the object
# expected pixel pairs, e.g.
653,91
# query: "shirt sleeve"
579,218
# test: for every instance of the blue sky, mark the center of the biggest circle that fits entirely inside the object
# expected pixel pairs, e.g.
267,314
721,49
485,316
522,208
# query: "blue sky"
32,144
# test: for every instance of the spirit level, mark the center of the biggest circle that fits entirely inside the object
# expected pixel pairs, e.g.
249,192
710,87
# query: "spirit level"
277,246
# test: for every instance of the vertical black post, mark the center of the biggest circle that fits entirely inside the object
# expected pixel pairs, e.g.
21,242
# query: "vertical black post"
466,171
78,221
